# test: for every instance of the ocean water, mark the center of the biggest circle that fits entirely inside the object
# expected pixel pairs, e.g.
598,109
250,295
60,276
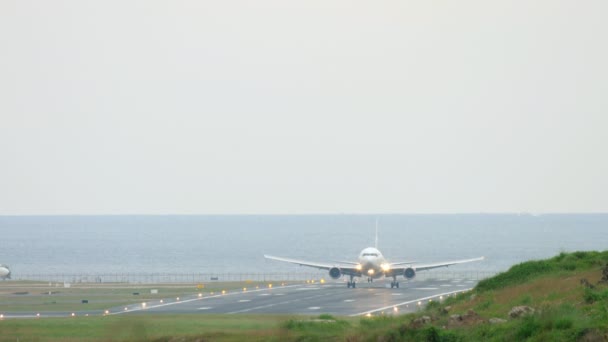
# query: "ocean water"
236,244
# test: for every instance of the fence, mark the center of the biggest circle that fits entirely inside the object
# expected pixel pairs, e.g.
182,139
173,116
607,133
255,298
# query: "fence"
154,278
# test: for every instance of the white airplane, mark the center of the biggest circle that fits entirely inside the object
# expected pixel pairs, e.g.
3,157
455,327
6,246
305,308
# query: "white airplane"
5,272
373,265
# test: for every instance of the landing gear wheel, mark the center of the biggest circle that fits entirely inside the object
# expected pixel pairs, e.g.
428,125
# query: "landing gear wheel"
397,285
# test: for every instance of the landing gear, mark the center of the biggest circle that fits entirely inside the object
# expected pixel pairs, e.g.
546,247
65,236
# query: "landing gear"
351,283
394,283
370,280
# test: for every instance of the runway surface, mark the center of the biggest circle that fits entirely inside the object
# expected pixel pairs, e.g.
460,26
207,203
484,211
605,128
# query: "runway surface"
295,299
307,299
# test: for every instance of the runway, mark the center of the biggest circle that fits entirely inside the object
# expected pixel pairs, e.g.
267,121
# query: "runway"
291,299
309,299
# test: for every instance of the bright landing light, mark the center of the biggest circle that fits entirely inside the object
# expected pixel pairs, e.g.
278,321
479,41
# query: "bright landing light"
385,267
370,271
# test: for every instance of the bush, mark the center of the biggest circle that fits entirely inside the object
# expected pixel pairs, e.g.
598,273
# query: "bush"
594,295
563,323
433,305
528,328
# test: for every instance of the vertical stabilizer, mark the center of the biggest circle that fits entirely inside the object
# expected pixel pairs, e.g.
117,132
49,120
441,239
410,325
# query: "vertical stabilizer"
376,245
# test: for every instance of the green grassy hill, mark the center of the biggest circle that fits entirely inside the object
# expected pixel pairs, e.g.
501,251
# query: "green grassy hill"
568,293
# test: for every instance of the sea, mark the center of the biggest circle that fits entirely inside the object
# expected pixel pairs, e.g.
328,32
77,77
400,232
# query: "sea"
47,245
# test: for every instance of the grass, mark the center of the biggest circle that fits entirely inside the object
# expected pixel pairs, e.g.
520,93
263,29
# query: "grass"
186,327
38,297
142,328
565,310
564,263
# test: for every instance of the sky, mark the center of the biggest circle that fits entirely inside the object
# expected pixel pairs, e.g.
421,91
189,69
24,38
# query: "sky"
299,107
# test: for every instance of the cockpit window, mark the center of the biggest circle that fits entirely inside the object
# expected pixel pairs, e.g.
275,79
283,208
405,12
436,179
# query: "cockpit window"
370,254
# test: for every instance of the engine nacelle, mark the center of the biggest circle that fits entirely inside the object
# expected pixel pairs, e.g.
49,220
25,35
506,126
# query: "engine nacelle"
335,273
5,272
409,273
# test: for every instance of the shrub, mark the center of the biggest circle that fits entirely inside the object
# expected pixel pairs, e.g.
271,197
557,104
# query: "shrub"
563,323
528,328
594,295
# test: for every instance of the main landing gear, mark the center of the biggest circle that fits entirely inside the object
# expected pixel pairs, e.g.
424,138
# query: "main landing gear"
370,280
394,283
351,283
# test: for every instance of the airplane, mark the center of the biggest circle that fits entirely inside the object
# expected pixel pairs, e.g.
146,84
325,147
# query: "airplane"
5,272
372,264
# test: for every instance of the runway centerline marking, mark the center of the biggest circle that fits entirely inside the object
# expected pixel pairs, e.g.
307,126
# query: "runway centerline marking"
276,304
148,308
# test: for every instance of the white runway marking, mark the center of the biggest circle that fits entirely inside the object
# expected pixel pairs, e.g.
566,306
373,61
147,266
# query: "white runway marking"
195,299
428,288
408,302
276,304
244,300
205,308
308,288
349,300
314,308
397,294
265,294
446,285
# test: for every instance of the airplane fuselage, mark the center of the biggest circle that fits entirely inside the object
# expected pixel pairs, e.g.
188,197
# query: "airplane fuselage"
372,263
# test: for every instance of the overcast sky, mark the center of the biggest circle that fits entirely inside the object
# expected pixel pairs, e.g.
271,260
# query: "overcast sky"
220,107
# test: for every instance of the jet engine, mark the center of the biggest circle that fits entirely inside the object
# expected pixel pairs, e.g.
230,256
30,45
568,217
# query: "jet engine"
335,273
409,273
5,272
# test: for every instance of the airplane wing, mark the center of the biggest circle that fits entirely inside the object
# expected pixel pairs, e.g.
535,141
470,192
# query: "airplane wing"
424,267
346,262
402,263
347,269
